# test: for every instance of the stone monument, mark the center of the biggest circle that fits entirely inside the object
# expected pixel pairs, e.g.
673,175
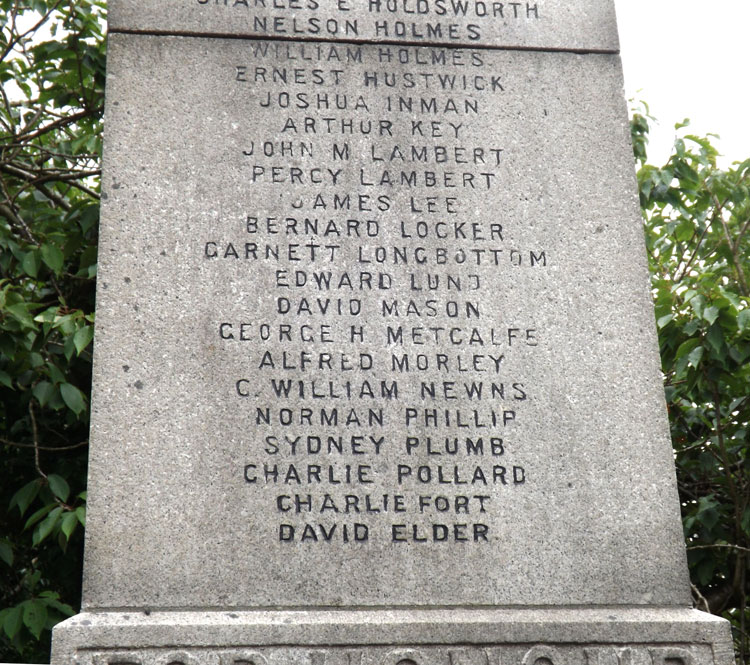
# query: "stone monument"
376,379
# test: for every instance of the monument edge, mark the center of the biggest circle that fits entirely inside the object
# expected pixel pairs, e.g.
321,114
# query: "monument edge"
592,30
134,631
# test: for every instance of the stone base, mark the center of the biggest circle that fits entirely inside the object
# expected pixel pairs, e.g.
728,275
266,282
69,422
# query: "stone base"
565,636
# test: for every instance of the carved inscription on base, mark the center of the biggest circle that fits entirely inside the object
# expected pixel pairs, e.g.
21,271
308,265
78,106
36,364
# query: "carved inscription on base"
542,654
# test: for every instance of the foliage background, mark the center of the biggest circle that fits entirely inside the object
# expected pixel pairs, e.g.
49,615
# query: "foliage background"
52,76
52,72
697,224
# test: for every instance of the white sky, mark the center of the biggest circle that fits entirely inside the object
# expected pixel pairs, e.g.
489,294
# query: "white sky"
689,59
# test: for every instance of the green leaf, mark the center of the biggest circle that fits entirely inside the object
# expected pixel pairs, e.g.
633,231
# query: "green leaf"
746,520
710,314
743,320
59,486
49,594
66,324
707,513
664,320
45,528
705,571
63,608
691,327
20,312
685,230
69,524
74,399
54,373
39,514
686,348
34,616
52,599
69,348
81,515
31,263
695,356
23,497
83,338
6,552
698,302
5,379
53,257
716,338
13,621
689,295
43,391
89,217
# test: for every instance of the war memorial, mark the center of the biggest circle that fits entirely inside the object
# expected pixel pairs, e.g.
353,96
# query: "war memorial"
376,377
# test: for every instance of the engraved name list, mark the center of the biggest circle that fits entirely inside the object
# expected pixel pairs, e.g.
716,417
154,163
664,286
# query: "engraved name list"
416,20
381,367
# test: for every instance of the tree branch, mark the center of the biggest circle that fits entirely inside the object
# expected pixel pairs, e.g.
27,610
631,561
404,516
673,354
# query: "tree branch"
13,41
15,220
37,183
35,434
738,548
695,253
46,448
700,598
742,280
57,124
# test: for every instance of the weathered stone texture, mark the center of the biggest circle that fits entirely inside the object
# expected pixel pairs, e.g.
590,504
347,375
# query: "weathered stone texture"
375,353
424,637
580,506
585,25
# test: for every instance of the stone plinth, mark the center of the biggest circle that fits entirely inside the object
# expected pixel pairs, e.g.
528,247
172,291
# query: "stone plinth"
564,636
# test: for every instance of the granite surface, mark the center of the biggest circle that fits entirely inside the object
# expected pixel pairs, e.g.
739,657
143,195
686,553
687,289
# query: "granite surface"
351,354
584,25
376,378
565,636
